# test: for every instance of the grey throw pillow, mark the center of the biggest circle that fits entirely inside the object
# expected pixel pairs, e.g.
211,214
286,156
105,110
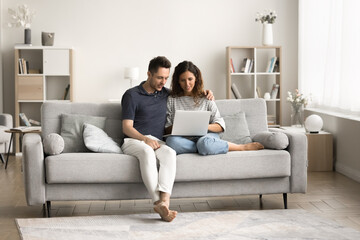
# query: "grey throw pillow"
72,130
237,130
53,144
272,140
97,140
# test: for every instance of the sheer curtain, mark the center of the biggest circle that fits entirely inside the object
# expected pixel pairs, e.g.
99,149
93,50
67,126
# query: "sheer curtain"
329,53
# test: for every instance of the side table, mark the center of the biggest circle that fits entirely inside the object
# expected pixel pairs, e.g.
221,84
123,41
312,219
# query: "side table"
21,131
320,149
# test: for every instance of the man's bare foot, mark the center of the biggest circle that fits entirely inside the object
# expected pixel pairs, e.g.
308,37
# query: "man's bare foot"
163,210
253,146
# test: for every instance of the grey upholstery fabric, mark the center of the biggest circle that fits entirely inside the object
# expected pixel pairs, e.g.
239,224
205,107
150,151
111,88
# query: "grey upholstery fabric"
254,109
237,130
72,130
298,151
34,169
95,176
272,140
121,168
51,116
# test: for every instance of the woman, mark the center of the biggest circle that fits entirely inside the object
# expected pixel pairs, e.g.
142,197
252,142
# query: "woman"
187,94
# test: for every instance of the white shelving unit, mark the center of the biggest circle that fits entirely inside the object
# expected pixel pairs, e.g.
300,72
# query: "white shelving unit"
258,80
50,73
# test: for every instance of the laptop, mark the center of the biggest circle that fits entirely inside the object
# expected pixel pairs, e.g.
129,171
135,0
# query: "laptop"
191,123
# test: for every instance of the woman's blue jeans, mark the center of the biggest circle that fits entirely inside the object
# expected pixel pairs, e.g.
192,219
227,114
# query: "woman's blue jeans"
210,144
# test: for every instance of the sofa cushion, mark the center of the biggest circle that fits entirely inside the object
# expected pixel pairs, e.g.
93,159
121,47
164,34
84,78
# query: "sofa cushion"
97,140
72,130
272,140
92,168
237,130
122,168
53,144
233,165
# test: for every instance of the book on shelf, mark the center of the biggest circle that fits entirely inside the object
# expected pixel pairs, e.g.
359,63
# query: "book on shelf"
276,66
23,66
258,92
235,91
66,92
24,119
274,91
271,65
232,69
247,65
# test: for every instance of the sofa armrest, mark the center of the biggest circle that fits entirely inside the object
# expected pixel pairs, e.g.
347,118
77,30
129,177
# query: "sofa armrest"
6,120
298,152
34,169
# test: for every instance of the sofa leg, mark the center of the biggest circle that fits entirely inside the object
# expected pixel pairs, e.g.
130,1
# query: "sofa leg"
260,201
285,200
2,158
48,207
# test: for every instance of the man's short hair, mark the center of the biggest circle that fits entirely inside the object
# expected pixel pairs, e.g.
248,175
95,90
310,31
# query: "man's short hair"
158,62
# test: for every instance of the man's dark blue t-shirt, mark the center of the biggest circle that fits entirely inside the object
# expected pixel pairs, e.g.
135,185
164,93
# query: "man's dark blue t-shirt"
147,110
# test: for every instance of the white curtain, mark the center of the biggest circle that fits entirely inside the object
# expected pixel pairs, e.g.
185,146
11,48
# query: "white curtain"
329,53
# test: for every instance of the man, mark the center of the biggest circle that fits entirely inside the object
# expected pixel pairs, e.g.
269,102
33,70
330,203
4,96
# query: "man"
143,123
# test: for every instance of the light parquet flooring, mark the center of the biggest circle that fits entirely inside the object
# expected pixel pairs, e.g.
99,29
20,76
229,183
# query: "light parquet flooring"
329,195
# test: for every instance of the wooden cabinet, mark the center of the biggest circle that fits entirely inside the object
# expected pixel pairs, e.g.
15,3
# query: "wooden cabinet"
258,80
46,75
320,149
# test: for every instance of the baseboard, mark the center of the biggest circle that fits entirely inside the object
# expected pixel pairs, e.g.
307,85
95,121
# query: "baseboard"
347,171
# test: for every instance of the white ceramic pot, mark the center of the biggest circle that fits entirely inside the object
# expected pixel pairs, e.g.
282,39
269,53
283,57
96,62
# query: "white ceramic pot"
267,34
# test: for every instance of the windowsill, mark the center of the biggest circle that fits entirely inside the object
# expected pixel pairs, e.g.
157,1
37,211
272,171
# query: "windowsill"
334,113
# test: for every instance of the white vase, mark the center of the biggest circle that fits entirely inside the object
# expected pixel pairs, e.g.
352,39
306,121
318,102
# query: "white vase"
267,34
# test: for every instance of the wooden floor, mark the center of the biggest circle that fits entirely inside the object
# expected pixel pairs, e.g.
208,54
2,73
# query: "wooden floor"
329,195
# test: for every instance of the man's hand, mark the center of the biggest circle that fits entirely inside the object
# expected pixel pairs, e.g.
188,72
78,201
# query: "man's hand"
152,143
209,95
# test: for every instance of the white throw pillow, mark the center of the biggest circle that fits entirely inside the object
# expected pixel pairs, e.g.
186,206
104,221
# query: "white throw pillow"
97,140
53,144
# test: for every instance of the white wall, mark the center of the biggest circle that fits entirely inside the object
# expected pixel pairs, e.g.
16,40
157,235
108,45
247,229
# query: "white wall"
112,34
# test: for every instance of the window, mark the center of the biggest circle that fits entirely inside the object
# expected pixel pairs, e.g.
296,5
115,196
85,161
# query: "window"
329,53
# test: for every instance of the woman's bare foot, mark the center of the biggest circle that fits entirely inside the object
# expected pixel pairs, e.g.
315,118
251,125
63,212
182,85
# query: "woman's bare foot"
253,146
163,210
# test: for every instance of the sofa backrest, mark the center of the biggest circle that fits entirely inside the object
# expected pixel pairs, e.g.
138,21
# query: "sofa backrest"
254,109
51,116
255,113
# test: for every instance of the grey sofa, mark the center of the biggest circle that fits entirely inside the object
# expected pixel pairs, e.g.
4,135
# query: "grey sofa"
6,122
106,176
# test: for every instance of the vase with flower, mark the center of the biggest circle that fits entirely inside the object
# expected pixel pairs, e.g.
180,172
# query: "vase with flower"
267,19
298,102
22,17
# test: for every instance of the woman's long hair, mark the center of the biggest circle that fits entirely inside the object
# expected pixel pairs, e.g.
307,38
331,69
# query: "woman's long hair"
198,90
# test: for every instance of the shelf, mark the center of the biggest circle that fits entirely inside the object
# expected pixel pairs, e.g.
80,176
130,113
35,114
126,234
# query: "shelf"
31,75
30,101
242,74
258,81
266,73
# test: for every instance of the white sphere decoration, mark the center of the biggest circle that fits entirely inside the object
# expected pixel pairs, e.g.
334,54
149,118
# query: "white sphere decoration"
313,123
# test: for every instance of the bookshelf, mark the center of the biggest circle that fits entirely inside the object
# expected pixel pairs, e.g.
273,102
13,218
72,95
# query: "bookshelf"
41,74
256,78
